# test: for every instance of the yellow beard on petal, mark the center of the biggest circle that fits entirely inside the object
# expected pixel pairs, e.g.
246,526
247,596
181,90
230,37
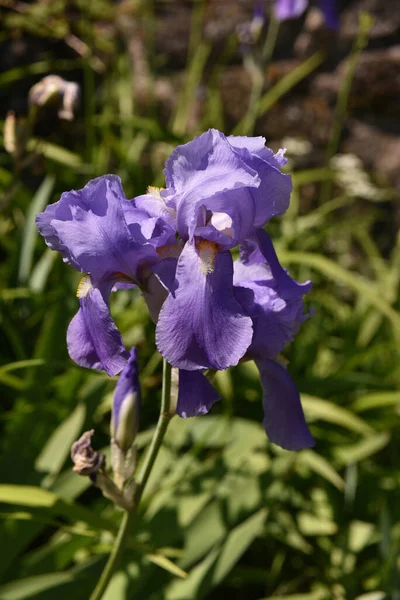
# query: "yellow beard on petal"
154,191
84,287
207,253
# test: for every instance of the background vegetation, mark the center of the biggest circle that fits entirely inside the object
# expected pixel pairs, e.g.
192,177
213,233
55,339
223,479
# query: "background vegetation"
225,512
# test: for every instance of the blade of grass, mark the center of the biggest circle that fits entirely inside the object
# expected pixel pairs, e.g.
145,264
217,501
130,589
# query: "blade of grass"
289,81
365,24
30,232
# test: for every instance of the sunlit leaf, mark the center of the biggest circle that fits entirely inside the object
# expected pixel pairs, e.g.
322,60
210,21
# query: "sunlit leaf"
321,466
317,408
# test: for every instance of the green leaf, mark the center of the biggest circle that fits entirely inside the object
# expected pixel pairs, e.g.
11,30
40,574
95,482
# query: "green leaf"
310,524
237,542
118,587
360,534
197,580
30,233
55,452
378,400
320,465
204,532
364,449
41,271
57,154
31,586
317,408
330,269
35,497
167,565
378,595
289,81
317,595
22,364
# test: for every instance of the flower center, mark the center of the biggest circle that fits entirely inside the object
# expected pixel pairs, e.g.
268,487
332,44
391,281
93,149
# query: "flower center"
207,253
222,223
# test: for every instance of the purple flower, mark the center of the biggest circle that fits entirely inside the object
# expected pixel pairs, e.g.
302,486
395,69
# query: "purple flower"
126,405
222,190
101,233
175,244
196,395
290,9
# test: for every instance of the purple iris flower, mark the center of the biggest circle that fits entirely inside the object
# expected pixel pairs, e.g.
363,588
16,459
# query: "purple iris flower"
222,190
290,9
175,244
101,233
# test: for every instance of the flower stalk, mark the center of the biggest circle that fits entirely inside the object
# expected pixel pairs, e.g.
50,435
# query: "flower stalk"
129,515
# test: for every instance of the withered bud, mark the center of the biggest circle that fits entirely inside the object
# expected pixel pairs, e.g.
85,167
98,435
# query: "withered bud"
86,460
55,89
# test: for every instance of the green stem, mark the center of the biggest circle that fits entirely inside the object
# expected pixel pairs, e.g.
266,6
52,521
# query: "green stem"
129,516
365,24
257,72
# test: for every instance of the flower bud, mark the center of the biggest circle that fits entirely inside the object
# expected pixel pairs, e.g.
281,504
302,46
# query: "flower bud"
86,460
126,406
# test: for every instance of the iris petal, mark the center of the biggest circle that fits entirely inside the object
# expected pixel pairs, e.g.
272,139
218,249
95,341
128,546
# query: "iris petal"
276,318
201,324
284,420
287,287
289,9
196,394
93,339
89,228
271,198
204,168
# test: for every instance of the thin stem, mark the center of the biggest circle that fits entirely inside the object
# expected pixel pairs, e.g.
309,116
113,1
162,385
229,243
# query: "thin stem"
342,102
151,455
257,69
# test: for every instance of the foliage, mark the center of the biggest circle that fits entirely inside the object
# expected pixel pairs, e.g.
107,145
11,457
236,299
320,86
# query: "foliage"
224,511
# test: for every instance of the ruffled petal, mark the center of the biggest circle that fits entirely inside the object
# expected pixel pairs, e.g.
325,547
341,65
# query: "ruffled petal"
284,421
155,206
276,317
287,287
93,339
271,198
204,168
89,228
196,394
257,147
201,324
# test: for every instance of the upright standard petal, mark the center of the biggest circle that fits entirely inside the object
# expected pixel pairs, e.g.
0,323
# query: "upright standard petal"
256,147
284,420
93,340
196,394
271,198
204,168
201,324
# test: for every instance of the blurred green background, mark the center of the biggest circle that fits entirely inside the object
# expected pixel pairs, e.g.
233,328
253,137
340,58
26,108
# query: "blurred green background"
225,514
